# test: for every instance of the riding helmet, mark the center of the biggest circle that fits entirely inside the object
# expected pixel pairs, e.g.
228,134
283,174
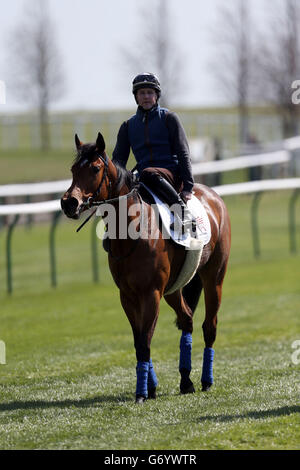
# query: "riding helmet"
146,80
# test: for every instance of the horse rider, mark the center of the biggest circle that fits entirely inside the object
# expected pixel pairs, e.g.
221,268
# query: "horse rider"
159,144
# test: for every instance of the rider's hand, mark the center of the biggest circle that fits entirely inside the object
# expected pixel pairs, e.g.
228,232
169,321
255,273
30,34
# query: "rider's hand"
186,195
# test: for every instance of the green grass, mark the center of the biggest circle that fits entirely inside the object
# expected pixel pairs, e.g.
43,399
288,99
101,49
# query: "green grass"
69,380
27,165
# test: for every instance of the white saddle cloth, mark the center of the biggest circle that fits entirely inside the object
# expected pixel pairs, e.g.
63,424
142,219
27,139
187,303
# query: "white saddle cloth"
203,229
193,245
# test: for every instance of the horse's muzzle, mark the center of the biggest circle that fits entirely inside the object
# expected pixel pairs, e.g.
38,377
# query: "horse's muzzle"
70,206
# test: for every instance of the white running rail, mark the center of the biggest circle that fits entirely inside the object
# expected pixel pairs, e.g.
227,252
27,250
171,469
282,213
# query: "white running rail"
31,189
204,168
263,159
224,190
257,186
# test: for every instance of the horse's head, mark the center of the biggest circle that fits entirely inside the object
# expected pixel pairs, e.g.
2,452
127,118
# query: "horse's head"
93,175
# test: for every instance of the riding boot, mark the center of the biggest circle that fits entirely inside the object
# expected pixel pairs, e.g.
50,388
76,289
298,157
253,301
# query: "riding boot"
165,191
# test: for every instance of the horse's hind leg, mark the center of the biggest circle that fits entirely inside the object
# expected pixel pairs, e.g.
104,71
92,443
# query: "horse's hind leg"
185,323
192,291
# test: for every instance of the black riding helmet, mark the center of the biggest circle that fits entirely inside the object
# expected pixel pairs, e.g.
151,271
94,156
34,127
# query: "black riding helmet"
146,80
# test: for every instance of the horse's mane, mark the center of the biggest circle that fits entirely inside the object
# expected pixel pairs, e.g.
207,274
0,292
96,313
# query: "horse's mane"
88,152
124,176
85,152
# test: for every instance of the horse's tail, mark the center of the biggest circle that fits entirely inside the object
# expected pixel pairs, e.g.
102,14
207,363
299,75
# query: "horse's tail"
192,291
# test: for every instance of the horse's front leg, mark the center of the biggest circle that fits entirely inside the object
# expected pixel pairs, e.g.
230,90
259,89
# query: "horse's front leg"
142,312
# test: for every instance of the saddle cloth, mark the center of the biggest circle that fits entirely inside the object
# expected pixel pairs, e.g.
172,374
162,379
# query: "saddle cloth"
193,245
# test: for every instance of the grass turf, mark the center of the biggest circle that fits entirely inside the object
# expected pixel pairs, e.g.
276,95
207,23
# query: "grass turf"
69,380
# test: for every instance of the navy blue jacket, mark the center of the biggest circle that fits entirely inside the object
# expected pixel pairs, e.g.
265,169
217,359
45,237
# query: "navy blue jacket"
157,139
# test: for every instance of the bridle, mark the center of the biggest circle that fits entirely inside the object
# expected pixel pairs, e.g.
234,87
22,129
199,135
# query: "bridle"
91,202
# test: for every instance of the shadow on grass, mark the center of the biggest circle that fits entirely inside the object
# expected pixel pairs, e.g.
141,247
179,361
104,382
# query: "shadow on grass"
259,414
84,403
129,398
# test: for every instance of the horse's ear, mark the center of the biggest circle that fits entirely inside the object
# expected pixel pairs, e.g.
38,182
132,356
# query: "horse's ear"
77,142
100,144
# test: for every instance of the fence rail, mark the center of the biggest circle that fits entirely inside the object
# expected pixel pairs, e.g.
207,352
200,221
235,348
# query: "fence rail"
30,208
256,187
270,158
32,189
23,131
290,148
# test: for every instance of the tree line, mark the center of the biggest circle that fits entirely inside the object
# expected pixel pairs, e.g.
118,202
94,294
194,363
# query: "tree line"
254,63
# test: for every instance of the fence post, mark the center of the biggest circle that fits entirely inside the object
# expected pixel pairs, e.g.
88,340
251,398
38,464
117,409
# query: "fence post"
2,219
254,223
29,217
8,253
292,220
295,162
54,223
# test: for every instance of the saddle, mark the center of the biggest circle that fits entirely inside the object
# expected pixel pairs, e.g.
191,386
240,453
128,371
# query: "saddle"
193,243
189,239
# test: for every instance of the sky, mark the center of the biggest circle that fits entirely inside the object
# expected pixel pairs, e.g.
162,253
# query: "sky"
90,34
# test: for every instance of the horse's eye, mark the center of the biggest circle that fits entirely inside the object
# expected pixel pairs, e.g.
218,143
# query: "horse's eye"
96,169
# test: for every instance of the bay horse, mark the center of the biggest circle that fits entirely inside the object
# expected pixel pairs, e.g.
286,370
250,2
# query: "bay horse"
144,268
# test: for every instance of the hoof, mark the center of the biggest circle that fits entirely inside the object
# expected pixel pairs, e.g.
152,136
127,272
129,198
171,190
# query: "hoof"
152,393
187,387
139,399
206,386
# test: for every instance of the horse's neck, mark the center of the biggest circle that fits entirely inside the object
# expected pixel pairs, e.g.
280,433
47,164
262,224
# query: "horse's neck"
124,189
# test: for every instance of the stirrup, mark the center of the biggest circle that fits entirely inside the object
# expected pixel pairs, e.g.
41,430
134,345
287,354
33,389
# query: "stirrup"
180,225
190,224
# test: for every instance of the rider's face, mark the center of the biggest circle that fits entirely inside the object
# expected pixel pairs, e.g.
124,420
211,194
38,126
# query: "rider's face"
146,97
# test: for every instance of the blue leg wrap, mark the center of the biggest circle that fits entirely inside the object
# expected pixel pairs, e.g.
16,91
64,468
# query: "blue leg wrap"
207,368
185,361
152,379
142,370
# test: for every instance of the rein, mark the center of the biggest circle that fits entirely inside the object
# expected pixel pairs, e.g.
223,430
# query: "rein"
114,199
90,203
